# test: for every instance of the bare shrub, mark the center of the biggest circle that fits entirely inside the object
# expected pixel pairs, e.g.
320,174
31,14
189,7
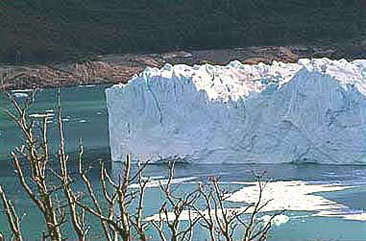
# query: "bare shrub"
120,208
178,204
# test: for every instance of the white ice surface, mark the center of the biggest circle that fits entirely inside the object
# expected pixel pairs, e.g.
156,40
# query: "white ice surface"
277,220
312,111
298,196
288,196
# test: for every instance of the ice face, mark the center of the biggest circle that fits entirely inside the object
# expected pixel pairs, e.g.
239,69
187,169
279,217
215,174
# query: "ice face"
313,111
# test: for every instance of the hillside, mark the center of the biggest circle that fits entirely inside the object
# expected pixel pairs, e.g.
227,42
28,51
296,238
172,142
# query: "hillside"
44,30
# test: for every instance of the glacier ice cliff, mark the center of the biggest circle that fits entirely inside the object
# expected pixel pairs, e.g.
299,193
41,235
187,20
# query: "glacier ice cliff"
310,111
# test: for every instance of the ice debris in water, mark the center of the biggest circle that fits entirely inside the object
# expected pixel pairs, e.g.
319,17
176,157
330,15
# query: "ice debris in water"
310,111
276,220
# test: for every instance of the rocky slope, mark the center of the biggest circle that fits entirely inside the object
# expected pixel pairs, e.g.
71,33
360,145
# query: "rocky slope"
40,31
121,68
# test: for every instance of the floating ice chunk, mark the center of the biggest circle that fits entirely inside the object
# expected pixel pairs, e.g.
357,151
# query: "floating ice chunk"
276,221
41,115
158,183
283,196
20,95
289,195
357,216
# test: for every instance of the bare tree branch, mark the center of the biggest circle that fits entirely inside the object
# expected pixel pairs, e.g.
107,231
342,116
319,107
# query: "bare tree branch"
13,219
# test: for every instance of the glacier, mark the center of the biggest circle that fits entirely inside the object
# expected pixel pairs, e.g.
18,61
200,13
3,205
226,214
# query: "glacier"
310,111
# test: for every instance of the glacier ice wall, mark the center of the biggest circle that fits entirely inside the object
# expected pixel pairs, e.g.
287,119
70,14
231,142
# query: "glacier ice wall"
312,111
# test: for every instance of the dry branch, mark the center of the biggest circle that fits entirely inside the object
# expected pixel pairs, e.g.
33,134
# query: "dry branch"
13,219
120,208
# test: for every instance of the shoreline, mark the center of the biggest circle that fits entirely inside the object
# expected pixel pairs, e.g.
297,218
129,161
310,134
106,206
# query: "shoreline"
113,68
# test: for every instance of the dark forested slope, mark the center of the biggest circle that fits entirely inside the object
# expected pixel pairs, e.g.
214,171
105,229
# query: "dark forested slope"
40,30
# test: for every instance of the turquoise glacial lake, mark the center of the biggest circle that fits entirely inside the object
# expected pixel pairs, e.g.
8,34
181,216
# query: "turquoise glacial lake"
85,116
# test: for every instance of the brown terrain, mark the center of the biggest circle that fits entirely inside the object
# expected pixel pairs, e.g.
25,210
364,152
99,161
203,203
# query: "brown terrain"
108,41
120,68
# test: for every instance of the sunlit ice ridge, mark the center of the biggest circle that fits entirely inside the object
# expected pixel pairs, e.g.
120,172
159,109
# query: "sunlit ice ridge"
310,111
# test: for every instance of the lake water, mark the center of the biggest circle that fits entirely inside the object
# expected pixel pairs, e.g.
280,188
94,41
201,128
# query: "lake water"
85,116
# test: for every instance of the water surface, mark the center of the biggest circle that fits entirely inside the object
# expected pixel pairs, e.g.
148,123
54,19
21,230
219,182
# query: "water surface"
85,116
